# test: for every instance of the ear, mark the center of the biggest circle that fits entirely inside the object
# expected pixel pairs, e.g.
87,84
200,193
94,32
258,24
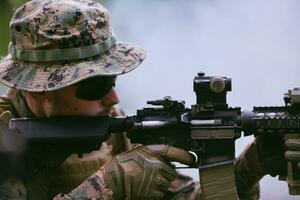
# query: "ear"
38,102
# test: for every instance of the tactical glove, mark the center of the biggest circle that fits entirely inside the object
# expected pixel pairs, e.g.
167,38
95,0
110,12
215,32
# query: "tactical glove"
276,150
263,156
271,154
292,152
144,172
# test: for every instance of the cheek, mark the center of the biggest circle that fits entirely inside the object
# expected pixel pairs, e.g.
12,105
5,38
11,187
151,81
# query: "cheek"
67,104
83,108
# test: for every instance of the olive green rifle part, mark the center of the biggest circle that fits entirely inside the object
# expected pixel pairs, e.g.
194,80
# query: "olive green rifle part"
209,129
218,183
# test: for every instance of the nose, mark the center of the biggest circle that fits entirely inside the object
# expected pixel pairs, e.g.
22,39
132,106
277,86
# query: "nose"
111,98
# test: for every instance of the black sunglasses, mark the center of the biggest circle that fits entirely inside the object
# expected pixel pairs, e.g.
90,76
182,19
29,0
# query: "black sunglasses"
95,88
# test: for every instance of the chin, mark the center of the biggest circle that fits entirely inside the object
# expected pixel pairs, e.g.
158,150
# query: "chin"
105,113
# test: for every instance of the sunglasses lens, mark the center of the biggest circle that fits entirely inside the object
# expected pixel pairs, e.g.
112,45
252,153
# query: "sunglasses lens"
95,88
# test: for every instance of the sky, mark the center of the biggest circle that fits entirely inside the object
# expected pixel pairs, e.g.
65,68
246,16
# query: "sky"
254,42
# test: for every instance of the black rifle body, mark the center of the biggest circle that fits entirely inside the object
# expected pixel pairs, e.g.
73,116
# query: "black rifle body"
209,128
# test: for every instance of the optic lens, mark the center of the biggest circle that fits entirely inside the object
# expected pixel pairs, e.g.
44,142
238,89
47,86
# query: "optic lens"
217,84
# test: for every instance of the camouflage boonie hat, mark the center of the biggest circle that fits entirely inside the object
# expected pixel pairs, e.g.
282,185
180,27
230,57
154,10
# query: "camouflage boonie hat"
56,43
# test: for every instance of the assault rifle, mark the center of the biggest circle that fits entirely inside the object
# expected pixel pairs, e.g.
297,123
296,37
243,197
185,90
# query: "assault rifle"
209,129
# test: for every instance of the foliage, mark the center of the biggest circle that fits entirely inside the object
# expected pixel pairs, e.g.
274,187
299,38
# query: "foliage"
8,9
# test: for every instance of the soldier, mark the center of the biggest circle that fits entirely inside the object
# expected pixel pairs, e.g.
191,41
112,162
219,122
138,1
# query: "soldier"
63,60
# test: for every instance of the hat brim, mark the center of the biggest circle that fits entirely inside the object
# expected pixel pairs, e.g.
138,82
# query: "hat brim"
38,77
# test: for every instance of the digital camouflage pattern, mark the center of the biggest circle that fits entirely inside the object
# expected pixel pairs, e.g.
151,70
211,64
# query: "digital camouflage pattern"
47,182
63,24
92,188
184,188
13,189
38,186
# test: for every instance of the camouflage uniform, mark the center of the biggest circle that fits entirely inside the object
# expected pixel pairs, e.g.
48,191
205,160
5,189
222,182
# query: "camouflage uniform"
54,44
48,181
79,44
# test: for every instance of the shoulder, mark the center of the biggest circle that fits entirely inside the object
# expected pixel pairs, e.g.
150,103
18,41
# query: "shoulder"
6,105
7,111
11,189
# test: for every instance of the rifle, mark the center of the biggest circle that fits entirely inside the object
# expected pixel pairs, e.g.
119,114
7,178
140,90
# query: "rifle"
209,129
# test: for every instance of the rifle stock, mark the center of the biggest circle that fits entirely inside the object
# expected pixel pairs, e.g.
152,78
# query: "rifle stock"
209,129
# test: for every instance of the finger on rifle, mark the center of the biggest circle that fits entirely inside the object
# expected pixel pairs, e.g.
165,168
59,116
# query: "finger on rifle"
292,144
171,153
162,182
292,155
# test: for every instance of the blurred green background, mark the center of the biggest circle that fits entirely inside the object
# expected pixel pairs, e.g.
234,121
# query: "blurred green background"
7,10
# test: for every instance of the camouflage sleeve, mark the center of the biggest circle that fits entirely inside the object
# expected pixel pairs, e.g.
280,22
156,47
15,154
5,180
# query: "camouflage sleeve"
184,188
92,188
12,189
248,173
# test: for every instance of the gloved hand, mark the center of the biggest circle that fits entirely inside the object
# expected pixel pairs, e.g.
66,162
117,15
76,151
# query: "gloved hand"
263,156
144,172
275,150
292,152
271,154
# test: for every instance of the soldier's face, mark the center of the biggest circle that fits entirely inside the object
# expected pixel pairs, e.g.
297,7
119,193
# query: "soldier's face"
65,102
